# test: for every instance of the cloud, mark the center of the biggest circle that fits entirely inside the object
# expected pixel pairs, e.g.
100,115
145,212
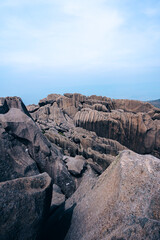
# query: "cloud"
76,35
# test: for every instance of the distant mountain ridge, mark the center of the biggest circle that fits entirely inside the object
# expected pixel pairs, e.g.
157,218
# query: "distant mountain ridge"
155,103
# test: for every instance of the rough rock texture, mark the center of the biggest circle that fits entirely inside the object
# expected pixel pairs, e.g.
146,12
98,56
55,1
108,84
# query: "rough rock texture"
55,117
133,106
138,132
57,197
12,102
24,150
132,123
24,205
75,165
155,103
122,204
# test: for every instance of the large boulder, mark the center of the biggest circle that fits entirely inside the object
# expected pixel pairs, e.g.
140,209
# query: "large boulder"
24,207
122,204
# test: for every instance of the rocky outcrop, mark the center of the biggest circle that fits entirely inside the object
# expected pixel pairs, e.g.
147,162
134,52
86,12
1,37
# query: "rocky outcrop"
133,106
155,103
12,102
122,204
24,206
136,131
132,123
78,141
24,150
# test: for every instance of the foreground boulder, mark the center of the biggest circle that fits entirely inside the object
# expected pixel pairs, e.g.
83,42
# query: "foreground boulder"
24,206
122,204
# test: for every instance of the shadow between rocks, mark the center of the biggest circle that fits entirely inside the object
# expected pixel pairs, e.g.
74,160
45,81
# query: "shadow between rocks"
58,223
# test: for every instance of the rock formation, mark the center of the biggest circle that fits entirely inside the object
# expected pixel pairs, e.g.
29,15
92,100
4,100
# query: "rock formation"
24,150
65,167
134,124
124,203
24,205
138,132
155,103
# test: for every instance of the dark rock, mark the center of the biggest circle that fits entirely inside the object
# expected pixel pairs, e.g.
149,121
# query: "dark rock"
14,149
32,108
58,224
3,106
57,197
25,150
16,102
24,206
51,98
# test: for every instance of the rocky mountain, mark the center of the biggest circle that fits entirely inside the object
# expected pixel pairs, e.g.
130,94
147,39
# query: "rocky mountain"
155,103
67,170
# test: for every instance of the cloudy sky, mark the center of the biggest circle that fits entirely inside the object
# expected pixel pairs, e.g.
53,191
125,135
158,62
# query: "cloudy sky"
103,47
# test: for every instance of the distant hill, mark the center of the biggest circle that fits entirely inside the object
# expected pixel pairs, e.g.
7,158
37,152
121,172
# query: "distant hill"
155,103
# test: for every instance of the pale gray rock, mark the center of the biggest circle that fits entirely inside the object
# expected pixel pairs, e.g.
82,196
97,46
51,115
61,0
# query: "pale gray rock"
75,165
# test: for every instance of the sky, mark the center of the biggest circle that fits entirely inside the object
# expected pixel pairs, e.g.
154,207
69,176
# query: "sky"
103,47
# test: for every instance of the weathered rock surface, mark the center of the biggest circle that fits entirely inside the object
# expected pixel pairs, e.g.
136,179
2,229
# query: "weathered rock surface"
24,206
132,123
58,126
24,150
133,106
136,131
122,204
155,103
75,165
12,102
57,197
